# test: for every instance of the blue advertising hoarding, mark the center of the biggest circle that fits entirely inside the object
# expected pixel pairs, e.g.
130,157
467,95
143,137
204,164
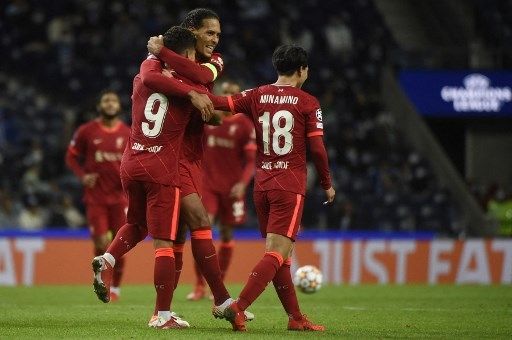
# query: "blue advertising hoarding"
459,93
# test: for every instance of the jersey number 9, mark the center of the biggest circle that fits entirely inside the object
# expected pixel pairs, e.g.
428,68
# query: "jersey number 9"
157,118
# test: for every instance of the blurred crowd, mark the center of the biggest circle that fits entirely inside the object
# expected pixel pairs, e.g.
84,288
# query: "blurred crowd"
57,56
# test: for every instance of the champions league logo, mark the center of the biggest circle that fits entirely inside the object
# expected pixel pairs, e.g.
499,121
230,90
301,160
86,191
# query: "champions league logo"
477,95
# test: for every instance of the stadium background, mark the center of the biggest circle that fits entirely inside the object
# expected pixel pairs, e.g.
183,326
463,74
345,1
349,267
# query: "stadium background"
400,177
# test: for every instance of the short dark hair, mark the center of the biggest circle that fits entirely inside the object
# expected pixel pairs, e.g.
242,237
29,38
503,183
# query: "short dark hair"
288,58
194,18
178,39
105,92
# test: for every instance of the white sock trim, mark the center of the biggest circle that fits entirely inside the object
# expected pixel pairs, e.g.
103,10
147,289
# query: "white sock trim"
110,259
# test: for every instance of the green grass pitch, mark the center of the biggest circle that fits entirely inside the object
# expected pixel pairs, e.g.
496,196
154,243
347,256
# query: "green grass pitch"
347,312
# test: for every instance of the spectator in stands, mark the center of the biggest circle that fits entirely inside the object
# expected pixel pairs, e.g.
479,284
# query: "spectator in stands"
32,217
339,37
73,217
9,211
500,208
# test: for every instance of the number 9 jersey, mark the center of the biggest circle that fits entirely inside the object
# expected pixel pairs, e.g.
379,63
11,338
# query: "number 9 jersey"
284,117
158,125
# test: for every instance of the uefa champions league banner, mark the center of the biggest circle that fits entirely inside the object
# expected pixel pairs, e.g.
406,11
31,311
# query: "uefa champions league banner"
47,261
463,94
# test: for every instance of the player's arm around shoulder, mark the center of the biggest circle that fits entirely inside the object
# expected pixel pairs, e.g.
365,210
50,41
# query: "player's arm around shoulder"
198,73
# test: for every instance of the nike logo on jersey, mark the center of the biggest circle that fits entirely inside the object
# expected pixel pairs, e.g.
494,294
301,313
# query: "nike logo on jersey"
209,257
97,141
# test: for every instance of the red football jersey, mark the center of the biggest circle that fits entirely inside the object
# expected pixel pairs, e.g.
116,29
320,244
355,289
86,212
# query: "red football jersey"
224,157
158,125
284,116
101,149
193,141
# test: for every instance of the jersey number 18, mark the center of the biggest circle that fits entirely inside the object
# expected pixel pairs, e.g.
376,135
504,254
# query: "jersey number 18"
279,131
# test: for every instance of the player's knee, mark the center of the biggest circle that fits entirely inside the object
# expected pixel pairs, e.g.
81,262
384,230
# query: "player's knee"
279,244
198,219
193,212
161,243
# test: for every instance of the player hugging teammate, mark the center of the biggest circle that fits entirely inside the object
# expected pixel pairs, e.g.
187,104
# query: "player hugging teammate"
162,167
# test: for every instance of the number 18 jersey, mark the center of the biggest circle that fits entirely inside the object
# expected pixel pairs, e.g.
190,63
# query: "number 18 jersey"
284,117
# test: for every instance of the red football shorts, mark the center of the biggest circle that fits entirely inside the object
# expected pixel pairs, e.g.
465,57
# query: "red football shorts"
228,210
191,178
279,212
105,217
153,206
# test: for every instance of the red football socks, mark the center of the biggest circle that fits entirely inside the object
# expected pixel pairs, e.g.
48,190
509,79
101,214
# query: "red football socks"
126,238
225,253
260,276
286,291
206,258
178,260
199,275
164,278
118,272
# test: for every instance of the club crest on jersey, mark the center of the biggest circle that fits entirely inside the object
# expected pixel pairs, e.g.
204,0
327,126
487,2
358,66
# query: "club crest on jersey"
119,142
319,115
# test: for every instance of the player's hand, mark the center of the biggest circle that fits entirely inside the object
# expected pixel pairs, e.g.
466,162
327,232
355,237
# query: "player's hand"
203,103
155,44
89,180
330,193
238,190
167,73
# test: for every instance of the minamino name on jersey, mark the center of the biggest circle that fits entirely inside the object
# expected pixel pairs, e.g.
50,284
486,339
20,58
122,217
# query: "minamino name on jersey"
272,99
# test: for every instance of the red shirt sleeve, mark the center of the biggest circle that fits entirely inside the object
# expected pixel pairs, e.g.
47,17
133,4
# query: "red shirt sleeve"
238,103
152,77
319,155
198,73
250,148
242,102
314,124
75,152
